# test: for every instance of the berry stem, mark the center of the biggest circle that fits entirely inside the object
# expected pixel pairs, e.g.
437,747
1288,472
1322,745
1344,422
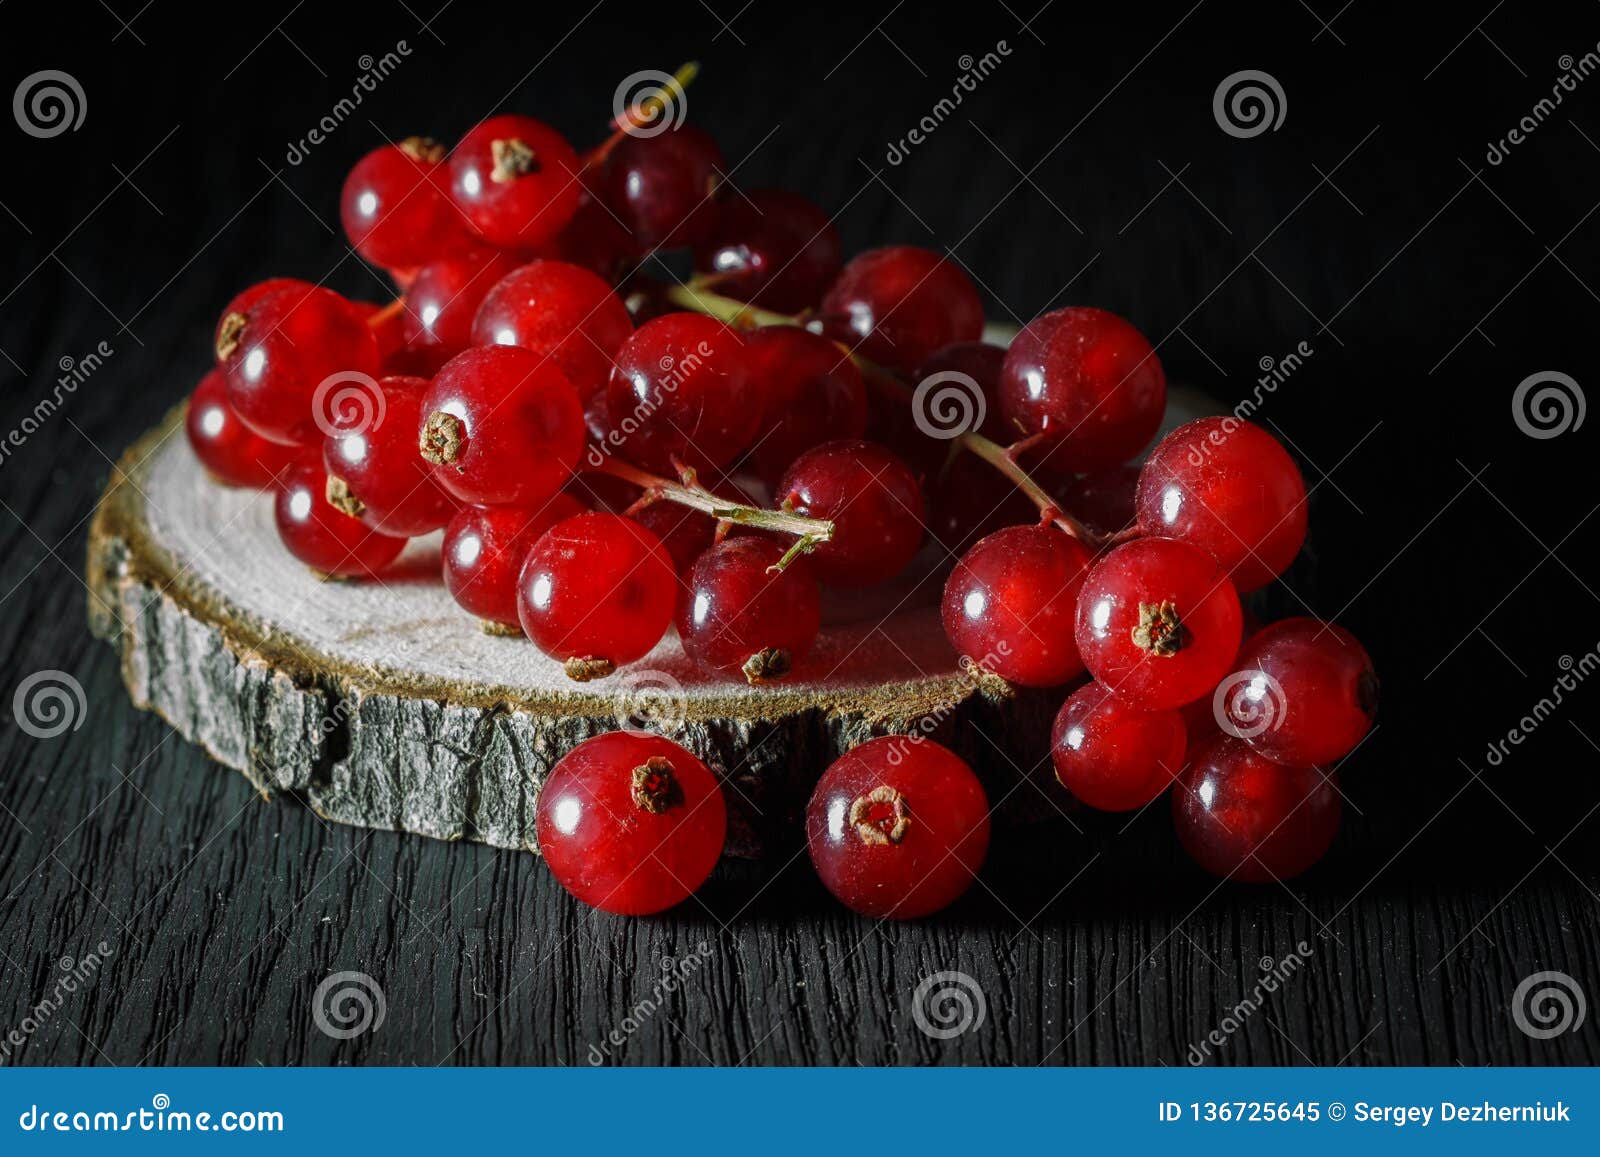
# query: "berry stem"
1004,459
653,108
388,312
728,309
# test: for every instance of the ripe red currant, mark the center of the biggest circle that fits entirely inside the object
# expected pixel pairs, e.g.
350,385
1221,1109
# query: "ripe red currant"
874,502
320,535
686,533
595,240
1112,756
396,208
898,827
501,426
773,248
1229,488
242,304
1243,817
1158,623
811,393
631,823
231,453
443,298
1010,605
370,452
900,304
1103,502
483,551
595,592
738,615
1305,692
661,186
516,180
1087,380
969,499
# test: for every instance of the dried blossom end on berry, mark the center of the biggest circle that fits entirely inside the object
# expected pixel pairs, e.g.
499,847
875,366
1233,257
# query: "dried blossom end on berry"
512,159
581,670
1159,629
655,788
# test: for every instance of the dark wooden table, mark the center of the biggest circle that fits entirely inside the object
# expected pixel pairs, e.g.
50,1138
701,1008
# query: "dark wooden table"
1088,167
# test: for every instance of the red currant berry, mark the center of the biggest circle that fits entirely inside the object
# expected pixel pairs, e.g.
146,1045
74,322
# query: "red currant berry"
1229,488
773,248
811,393
1243,817
516,180
680,390
370,452
898,827
737,614
686,533
1010,605
900,304
1087,380
241,306
631,823
1103,502
969,499
661,186
595,592
561,312
874,502
443,298
1305,692
388,326
232,453
395,206
1112,756
483,551
501,426
282,348
595,240
320,535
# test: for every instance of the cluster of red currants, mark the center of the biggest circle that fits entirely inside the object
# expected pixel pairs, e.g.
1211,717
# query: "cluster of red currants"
609,456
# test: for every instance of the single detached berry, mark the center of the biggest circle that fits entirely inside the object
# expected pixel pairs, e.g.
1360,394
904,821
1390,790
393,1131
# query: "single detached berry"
1089,382
811,393
873,501
1228,487
1243,817
1112,756
1010,606
1304,692
898,827
370,452
771,247
662,186
501,426
1158,623
443,298
595,592
322,536
396,206
280,350
232,453
631,823
739,615
516,180
900,304
483,551
558,311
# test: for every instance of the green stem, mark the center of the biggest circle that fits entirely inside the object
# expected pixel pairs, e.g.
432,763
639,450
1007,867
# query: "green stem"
810,531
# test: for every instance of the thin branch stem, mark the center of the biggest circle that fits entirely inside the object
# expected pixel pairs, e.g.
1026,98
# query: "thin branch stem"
810,531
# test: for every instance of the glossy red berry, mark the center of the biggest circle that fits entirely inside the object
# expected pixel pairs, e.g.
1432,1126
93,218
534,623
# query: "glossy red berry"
898,827
595,592
771,247
872,499
1304,692
320,535
810,391
443,298
560,311
483,551
501,426
900,304
680,389
1112,756
1090,382
739,616
1158,623
631,823
1010,605
1231,489
370,452
232,453
1103,502
595,240
282,348
516,180
661,186
242,304
396,208
686,533
1243,817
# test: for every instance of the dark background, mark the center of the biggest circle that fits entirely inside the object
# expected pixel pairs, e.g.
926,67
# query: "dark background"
1087,169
